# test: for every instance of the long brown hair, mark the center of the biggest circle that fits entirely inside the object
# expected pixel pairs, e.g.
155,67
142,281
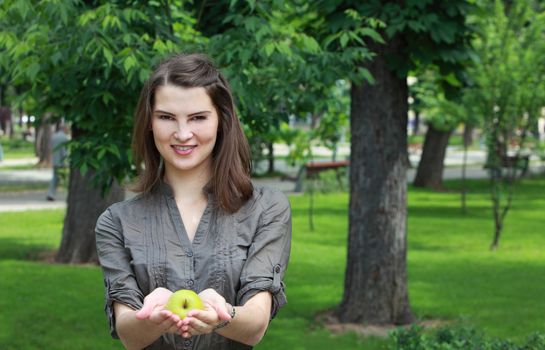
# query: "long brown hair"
231,162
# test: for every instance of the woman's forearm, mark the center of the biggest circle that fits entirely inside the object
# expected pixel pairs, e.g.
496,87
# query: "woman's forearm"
251,320
135,334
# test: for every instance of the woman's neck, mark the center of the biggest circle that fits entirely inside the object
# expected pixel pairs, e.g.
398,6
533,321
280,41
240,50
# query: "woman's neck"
187,185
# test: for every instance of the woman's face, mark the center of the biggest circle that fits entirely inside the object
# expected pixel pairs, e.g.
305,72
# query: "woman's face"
184,125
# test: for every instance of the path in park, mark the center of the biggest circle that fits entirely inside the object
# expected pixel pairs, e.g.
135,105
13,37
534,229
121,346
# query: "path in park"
32,200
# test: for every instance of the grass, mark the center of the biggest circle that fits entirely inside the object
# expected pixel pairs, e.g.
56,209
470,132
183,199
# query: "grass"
46,306
452,274
17,148
17,167
23,186
455,276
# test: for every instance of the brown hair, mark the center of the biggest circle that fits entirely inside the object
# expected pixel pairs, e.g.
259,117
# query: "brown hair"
231,162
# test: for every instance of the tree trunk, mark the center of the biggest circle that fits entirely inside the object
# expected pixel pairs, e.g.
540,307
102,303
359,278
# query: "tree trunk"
5,120
85,204
416,125
375,289
2,95
430,168
464,173
42,143
468,135
270,157
20,118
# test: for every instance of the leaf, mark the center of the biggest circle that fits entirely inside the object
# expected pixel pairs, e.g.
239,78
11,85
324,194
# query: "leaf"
144,75
129,63
373,34
269,48
284,48
107,97
108,55
311,44
115,151
101,153
344,39
83,168
365,74
32,71
252,4
56,58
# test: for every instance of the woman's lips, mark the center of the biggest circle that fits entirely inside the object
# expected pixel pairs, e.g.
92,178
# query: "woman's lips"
183,150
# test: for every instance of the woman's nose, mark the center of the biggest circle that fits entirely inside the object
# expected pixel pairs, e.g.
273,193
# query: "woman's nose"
183,133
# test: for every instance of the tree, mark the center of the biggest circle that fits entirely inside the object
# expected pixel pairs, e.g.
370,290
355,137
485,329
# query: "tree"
443,114
425,32
430,32
509,91
92,78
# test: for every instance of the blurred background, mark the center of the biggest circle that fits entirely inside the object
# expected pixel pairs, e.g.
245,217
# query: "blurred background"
408,135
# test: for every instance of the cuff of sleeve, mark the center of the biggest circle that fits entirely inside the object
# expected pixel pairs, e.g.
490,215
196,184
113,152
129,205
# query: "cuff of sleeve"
131,298
278,293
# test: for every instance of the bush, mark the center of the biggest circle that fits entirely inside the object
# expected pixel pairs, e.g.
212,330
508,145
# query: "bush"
415,338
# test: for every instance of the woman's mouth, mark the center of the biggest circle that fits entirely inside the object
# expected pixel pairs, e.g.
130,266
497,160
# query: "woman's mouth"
183,150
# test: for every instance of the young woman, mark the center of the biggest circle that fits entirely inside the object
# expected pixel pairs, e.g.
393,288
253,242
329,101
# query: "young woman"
198,222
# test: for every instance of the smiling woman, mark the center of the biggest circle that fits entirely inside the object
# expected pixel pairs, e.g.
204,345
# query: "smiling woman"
198,222
184,126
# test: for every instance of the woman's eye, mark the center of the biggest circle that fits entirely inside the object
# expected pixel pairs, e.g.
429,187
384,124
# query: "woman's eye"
199,117
165,117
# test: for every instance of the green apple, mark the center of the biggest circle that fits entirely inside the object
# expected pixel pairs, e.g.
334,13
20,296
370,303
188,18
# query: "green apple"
180,302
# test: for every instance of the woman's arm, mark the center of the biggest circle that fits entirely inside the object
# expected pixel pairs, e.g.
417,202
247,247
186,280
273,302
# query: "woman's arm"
251,320
248,326
139,328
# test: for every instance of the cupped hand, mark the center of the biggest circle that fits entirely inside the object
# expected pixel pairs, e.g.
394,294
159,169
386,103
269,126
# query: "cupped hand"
154,311
203,321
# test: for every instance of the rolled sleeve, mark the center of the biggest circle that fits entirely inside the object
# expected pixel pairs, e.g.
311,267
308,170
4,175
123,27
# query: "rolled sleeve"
120,282
269,253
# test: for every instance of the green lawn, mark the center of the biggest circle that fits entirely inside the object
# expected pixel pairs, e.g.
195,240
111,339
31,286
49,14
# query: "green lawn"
17,148
453,275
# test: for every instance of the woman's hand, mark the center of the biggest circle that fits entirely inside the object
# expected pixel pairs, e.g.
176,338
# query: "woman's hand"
154,311
203,321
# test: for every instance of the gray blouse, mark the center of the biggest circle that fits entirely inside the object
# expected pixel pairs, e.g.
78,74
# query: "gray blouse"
142,245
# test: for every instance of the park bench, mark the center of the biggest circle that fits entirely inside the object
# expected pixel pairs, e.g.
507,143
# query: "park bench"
518,161
312,169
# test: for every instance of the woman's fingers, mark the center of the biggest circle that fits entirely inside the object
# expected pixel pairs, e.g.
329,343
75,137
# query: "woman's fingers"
209,316
195,326
221,310
154,300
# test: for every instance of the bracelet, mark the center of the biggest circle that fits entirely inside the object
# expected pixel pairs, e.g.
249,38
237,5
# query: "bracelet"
226,322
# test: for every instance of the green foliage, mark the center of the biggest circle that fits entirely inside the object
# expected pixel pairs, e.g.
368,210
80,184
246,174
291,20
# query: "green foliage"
509,87
330,127
509,90
280,67
435,32
93,75
415,338
432,102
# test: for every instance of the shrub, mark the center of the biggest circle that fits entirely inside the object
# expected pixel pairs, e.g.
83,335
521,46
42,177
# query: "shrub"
415,338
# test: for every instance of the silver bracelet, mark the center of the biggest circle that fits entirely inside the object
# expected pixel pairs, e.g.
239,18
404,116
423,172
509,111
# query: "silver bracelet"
226,322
